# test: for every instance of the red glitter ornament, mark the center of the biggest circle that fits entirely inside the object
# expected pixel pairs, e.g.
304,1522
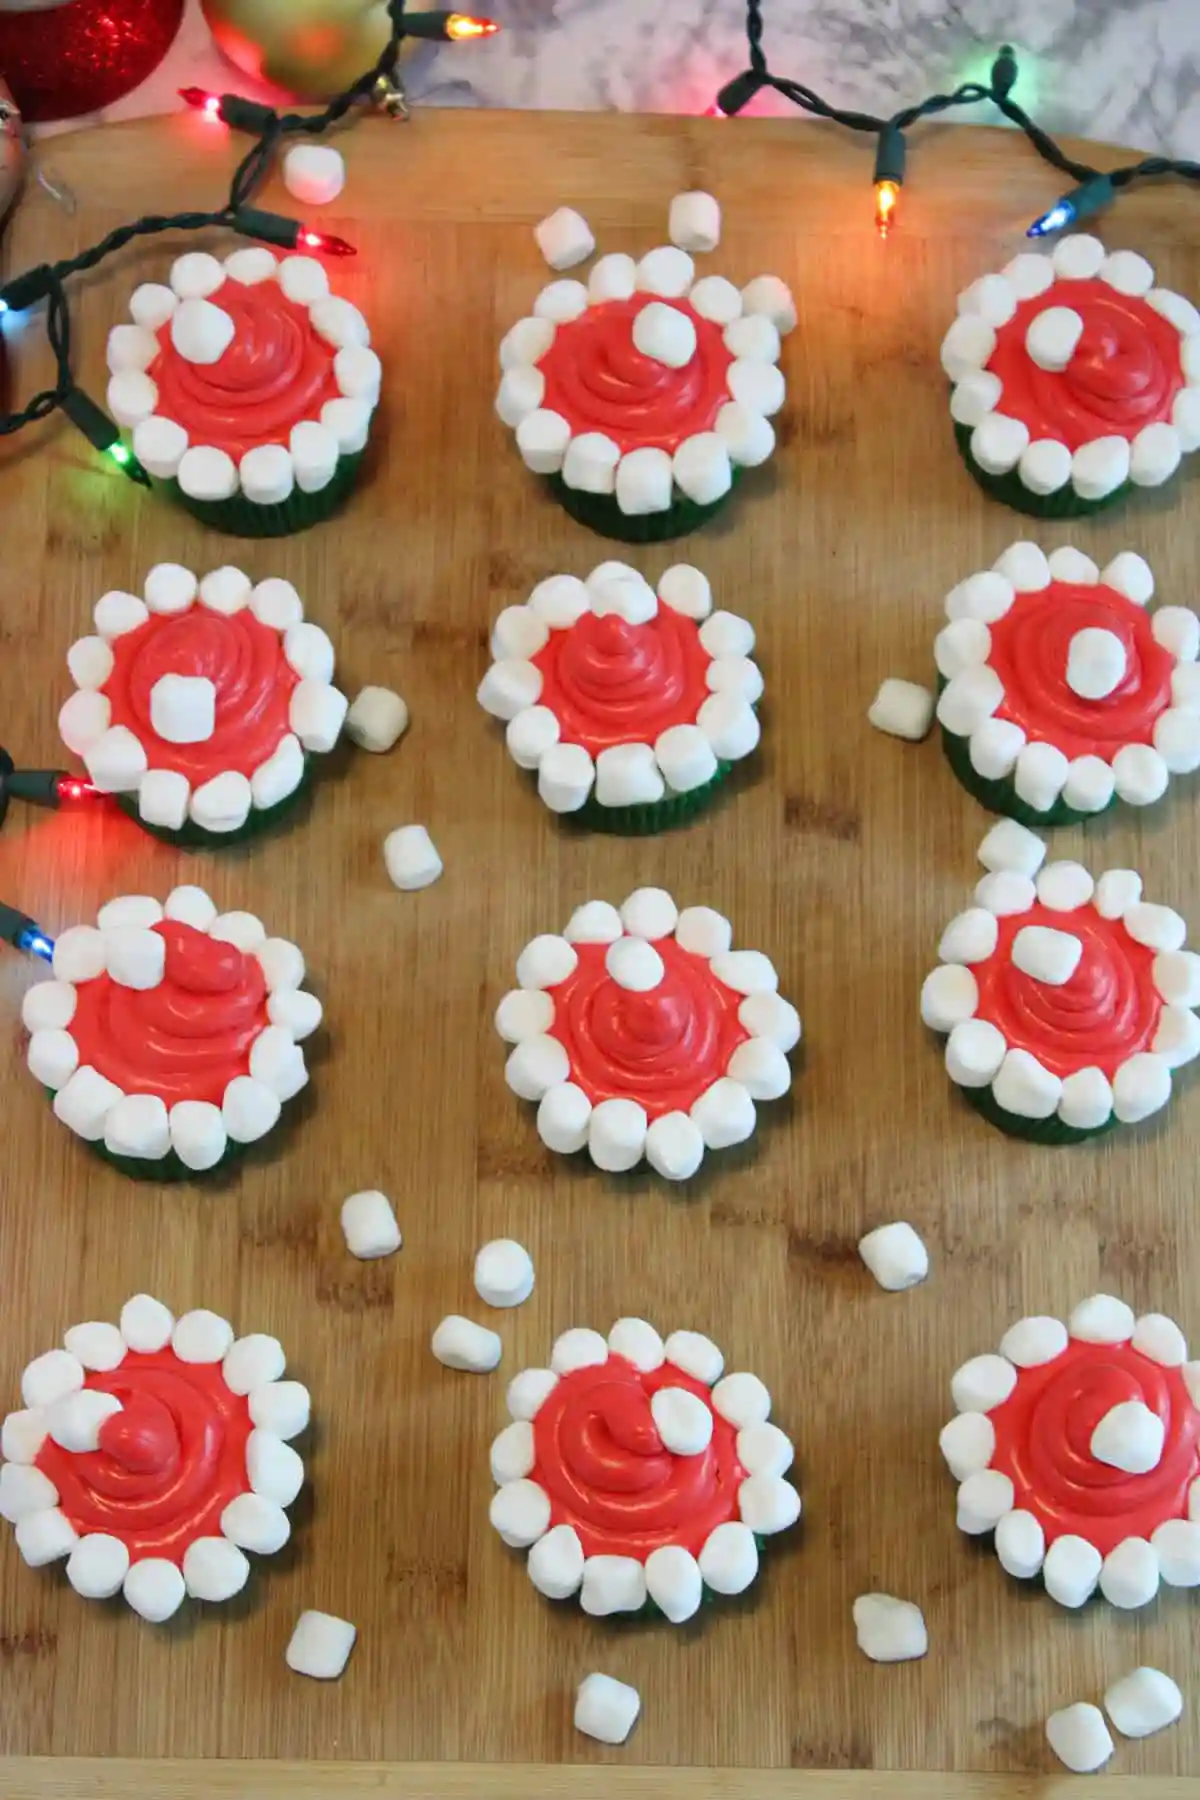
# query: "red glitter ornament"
84,55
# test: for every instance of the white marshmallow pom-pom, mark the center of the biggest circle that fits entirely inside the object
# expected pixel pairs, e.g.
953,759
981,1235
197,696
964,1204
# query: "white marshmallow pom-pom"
613,277
674,1146
214,1569
590,464
155,1589
1047,955
1045,466
701,467
719,300
895,1255
526,342
320,1645
131,349
203,472
564,238
314,173
461,1344
889,1630
617,1135
694,221
267,474
683,1421
201,332
750,436
606,1709
1052,337
967,1443
634,964
542,439
411,858
566,774
1129,1437
665,333
132,397
1096,663
183,708
667,270
556,1562
369,1225
251,266
561,301
770,295
201,1337
644,478
729,1558
1079,1737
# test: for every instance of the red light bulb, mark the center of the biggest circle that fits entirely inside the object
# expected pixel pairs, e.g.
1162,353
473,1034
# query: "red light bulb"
202,101
325,242
73,787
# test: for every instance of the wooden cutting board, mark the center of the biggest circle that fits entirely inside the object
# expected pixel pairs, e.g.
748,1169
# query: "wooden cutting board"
842,857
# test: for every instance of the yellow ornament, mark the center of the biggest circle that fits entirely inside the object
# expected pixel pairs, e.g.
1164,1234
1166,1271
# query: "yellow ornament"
313,48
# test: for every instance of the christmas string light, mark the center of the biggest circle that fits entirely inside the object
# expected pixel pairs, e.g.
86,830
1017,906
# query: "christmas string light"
51,788
24,933
1093,188
47,281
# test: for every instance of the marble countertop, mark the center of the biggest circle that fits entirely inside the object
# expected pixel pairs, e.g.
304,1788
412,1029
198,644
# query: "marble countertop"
1123,70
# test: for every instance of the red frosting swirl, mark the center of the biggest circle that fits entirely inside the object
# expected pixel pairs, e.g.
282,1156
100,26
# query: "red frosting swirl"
1108,1011
1125,372
188,1037
169,1462
276,372
609,1474
1043,1444
663,1048
599,381
609,682
244,660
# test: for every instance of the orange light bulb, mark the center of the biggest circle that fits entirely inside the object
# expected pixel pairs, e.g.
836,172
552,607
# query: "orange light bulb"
887,194
462,25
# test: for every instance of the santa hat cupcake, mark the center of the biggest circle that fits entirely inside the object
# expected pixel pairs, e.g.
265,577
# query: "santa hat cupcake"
643,1033
1075,379
201,704
170,1035
637,1475
151,1455
247,388
1077,1447
643,395
1062,692
631,706
1066,1003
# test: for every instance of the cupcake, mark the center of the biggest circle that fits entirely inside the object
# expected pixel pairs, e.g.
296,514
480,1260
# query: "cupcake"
201,706
1065,1003
1072,379
631,706
641,1033
638,1477
1078,1446
170,1035
247,389
1061,692
642,396
152,1455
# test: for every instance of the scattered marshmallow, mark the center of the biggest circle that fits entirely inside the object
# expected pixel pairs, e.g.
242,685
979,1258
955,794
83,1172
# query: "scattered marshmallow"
606,1709
694,222
889,1630
1079,1737
411,858
564,238
902,708
1143,1702
320,1645
314,173
376,719
369,1225
503,1273
460,1344
895,1256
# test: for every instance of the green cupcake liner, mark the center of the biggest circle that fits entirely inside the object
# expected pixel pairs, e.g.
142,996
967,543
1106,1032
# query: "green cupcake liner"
652,816
239,517
600,513
1011,491
1032,1131
166,1168
651,1610
1001,796
191,836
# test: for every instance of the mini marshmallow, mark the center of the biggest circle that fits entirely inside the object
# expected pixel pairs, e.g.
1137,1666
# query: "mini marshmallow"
761,1068
696,1355
97,1566
998,443
966,348
222,804
201,332
159,445
524,1013
314,173
746,971
52,1058
1102,1319
183,708
1096,663
303,279
278,1062
96,1344
1041,772
79,955
349,424
1143,1702
995,747
50,1006
1129,1437
521,392
768,294
561,301
1045,466
520,1512
983,1500
279,776
627,596
316,713
460,1344
273,1468
253,1522
613,277
724,1113
201,1337
1052,337
634,964
1011,846
982,1383
1177,1547
314,451
45,1537
536,1065
606,1709
1079,1737
267,474
694,222
252,1361
116,762
665,333
565,777
895,1255
281,1407
750,436
24,1490
152,304
320,1645
309,651
612,1584
674,1582
90,662
546,961
889,1630
339,323
967,1442
975,396
758,386
1046,955
627,775
1130,1575
85,1102
744,1400
992,297
526,342
251,266
298,1013
674,1146
369,1225
132,397
358,373
411,858
902,708
949,994
146,1324
131,349
969,698
1033,1341
617,1135
1177,739
1022,1085
213,1569
708,933
644,480
512,1458
1140,774
205,473
701,467
1020,1544
719,300
590,464
564,238
684,1422
155,1589
138,1126
527,1392
503,1273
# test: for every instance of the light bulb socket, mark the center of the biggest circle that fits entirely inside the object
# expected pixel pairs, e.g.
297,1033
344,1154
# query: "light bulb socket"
739,92
891,153
40,787
102,433
272,228
1004,72
26,290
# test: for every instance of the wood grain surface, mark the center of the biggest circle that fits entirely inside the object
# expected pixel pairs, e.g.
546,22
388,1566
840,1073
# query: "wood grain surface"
841,857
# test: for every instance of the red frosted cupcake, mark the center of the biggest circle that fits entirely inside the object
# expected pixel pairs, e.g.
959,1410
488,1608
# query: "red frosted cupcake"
152,1455
632,706
1078,1445
637,1475
201,706
248,389
1076,378
170,1034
